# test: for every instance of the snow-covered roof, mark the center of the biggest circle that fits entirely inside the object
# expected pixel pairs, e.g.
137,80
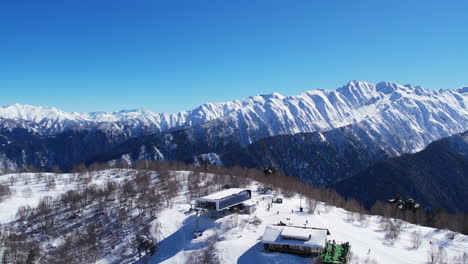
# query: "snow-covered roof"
295,233
249,203
292,235
221,194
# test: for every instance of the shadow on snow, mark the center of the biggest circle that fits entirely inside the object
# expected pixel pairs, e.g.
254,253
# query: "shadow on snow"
256,255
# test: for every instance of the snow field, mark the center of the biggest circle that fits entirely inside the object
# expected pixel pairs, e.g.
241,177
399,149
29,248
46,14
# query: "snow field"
237,237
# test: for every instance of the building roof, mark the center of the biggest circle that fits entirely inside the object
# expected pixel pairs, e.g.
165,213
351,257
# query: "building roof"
249,203
294,235
221,194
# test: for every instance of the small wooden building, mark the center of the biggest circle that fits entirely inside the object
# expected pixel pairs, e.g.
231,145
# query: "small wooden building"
249,207
304,241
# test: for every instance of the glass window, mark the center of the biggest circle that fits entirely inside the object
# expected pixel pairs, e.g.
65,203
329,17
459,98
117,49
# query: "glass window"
234,199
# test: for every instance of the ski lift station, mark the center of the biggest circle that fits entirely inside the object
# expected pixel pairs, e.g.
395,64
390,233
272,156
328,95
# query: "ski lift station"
223,199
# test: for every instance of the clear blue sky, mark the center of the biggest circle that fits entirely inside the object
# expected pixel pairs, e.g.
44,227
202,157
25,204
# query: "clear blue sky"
167,56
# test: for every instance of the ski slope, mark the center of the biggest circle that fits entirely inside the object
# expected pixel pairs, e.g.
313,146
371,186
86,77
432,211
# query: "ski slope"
240,242
237,237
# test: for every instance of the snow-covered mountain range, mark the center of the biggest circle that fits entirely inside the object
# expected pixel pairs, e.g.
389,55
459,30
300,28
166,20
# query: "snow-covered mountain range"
436,113
399,118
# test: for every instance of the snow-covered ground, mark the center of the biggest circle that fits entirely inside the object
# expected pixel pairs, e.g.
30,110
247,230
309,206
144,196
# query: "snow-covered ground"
239,242
237,237
28,188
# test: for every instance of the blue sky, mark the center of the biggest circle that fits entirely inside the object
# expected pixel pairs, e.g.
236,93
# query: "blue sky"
168,56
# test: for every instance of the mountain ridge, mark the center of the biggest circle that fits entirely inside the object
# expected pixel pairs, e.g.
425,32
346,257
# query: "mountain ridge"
435,176
355,94
398,118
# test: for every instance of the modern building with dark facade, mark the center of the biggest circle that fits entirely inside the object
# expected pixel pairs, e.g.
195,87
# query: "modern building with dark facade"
223,199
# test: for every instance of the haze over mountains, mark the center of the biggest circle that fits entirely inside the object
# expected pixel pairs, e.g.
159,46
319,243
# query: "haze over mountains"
321,136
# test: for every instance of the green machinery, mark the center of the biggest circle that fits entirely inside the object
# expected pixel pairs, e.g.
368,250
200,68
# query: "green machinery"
335,253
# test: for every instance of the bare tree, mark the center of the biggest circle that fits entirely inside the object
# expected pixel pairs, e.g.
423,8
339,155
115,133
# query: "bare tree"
312,205
416,239
451,234
193,186
4,192
363,219
462,259
432,255
437,255
393,231
50,182
24,213
12,180
43,210
17,249
351,216
442,255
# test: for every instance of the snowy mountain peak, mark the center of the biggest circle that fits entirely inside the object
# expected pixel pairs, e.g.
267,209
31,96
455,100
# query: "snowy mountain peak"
274,114
358,93
274,96
34,113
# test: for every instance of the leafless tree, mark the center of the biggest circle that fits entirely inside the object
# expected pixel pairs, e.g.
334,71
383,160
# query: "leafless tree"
451,234
432,255
24,213
384,223
12,180
43,211
50,182
39,177
350,216
393,231
442,220
416,239
437,255
193,185
17,249
363,219
312,205
462,259
5,192
442,255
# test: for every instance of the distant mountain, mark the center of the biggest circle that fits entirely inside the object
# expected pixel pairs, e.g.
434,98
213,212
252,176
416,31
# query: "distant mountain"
440,113
318,157
392,119
435,176
51,121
